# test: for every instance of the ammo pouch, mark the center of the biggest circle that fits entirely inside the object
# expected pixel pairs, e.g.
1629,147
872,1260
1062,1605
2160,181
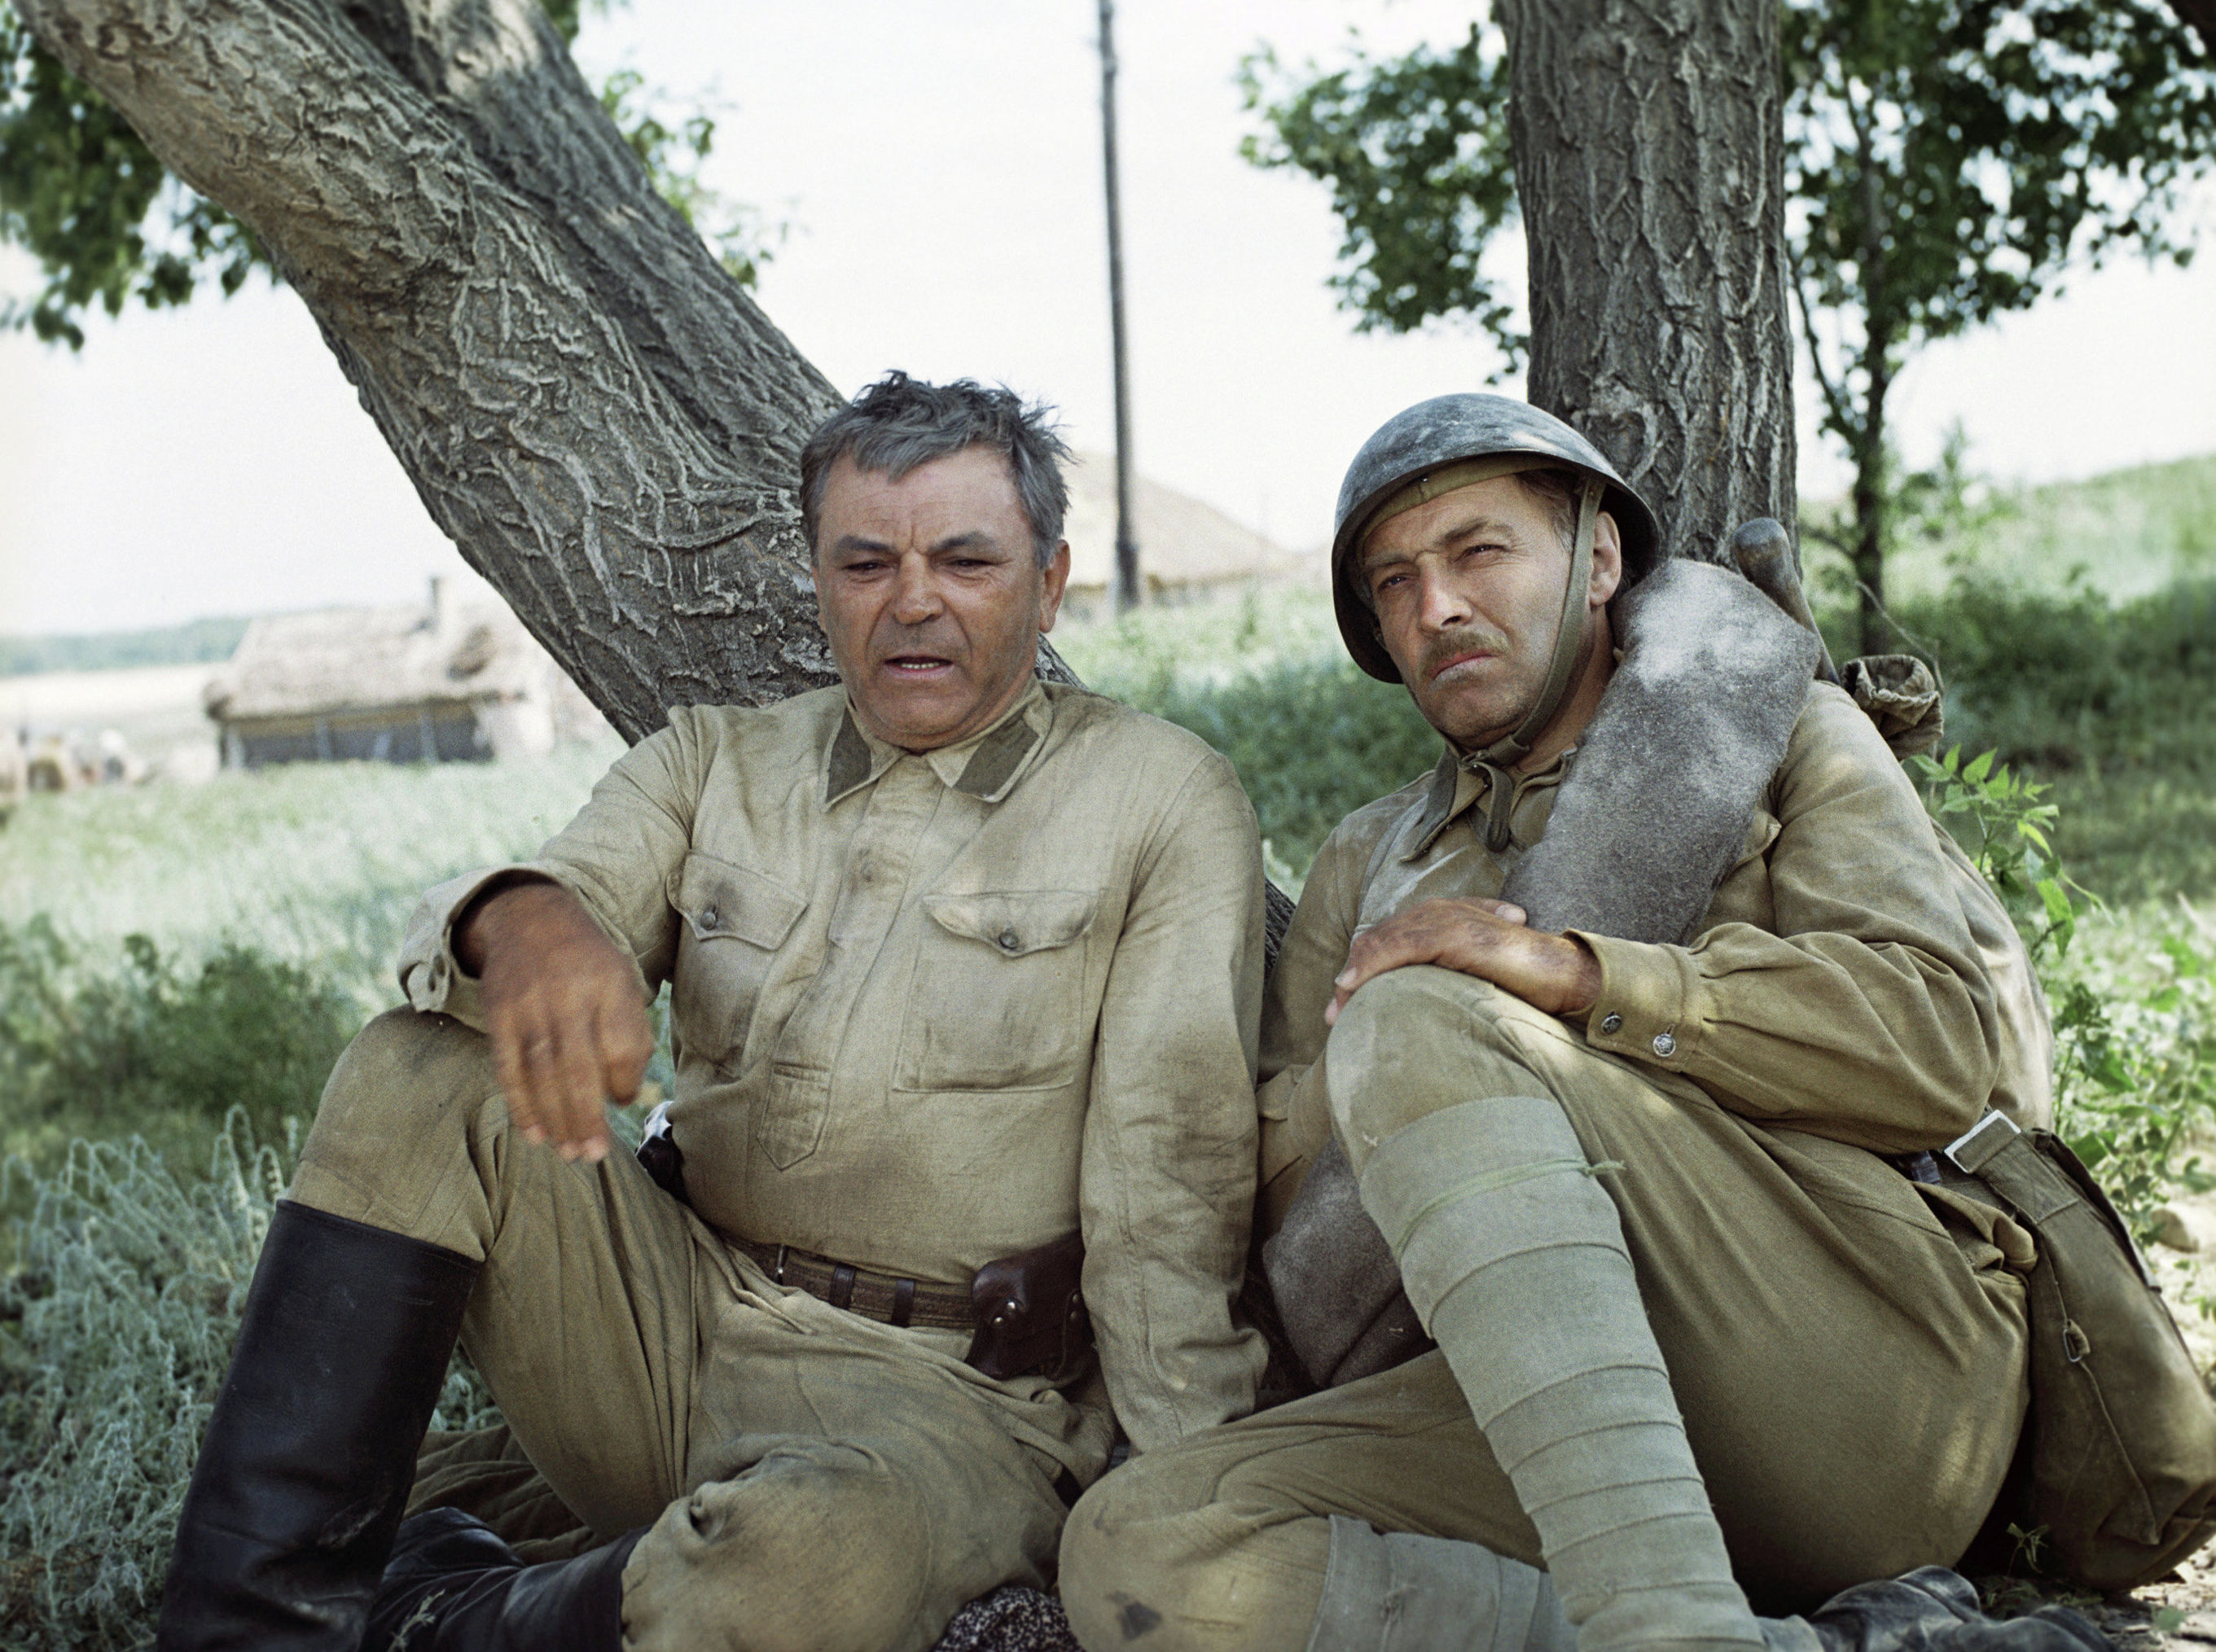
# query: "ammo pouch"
1031,1317
2118,1460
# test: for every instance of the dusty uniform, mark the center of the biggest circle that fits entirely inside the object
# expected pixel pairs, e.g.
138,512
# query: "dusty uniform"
1847,1344
927,1011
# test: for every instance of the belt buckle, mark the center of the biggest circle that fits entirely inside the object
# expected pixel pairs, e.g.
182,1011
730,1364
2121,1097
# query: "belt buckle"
780,1275
1969,1151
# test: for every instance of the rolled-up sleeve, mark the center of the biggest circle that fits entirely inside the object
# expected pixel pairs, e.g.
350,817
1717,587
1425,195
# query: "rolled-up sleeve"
1869,1016
1166,1182
617,856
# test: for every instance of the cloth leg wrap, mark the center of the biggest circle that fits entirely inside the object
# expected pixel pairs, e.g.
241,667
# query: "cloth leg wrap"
1399,1591
1513,1255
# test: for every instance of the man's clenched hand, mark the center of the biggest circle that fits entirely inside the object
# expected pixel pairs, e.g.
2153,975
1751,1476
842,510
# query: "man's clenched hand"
1484,938
562,1009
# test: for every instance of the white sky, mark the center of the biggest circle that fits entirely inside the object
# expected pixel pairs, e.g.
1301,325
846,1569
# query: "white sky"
941,164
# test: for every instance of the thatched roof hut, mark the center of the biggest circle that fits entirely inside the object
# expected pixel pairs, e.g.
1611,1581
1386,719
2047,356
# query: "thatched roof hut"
458,679
1185,547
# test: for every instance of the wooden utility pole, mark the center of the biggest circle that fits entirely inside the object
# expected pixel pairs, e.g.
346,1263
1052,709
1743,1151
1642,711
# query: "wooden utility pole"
1127,543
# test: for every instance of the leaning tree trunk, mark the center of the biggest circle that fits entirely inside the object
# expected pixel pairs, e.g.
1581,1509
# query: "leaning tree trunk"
1649,145
589,406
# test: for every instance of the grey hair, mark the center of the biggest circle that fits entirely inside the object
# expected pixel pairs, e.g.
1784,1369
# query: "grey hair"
900,422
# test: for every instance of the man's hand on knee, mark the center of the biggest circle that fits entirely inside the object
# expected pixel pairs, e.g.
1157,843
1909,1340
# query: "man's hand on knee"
562,1009
1484,938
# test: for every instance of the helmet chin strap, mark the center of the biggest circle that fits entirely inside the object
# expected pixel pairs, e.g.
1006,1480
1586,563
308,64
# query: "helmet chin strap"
1569,642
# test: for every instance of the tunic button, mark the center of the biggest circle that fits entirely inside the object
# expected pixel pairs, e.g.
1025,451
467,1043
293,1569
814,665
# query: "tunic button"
1664,1045
1008,941
707,918
1611,1022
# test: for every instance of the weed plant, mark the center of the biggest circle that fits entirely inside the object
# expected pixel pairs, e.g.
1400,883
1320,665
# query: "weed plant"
2134,1021
115,1328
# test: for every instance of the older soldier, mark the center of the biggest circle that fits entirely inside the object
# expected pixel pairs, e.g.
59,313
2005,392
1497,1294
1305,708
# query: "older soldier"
960,964
1615,1026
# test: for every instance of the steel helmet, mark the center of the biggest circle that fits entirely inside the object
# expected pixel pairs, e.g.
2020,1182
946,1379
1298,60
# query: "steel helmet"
1455,441
1415,445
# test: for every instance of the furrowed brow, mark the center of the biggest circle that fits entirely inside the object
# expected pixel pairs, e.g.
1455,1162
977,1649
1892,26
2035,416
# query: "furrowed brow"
975,539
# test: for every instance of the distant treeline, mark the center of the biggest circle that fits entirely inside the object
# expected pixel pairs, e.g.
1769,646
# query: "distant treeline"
201,642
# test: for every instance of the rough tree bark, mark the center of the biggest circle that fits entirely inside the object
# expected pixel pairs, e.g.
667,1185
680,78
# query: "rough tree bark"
600,418
1649,145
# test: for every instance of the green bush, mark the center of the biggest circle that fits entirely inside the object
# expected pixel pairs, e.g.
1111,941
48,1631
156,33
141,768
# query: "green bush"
2114,704
149,1042
1312,741
2070,680
2134,1024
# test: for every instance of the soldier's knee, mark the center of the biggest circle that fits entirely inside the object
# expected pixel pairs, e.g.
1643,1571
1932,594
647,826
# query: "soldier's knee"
1147,1566
408,1063
1412,1041
819,1547
395,1120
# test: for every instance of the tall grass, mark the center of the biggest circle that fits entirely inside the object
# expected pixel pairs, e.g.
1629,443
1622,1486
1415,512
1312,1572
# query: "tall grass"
315,864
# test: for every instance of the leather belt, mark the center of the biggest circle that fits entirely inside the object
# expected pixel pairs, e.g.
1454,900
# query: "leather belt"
883,1297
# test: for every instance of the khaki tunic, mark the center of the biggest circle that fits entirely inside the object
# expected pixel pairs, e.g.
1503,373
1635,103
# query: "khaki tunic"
1848,1346
929,1011
1853,976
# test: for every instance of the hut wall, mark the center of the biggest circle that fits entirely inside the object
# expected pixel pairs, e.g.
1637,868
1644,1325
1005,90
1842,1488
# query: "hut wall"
424,733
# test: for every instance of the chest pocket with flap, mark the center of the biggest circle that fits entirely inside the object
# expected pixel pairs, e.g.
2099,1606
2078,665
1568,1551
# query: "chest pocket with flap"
999,997
732,921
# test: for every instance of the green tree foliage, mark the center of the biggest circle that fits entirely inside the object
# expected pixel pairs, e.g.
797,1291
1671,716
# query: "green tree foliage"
110,225
1947,163
1947,160
195,642
1415,151
84,196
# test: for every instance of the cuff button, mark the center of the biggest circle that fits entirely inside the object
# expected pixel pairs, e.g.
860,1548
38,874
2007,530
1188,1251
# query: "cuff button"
1611,1022
1664,1045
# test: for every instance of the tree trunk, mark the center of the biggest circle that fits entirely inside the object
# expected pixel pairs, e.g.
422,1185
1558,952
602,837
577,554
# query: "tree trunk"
1649,145
597,415
1869,499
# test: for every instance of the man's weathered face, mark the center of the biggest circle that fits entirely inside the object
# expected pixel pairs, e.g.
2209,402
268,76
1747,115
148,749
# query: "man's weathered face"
930,593
1467,589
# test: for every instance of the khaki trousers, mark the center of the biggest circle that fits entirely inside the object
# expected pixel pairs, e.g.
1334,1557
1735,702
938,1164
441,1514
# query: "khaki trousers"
811,1479
1847,1347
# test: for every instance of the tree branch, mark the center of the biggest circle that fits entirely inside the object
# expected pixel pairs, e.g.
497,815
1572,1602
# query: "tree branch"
597,415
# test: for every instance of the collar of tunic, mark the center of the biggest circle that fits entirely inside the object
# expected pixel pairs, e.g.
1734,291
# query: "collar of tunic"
1456,786
987,765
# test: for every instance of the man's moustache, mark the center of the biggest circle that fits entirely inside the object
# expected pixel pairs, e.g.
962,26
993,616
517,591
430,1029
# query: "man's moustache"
1460,642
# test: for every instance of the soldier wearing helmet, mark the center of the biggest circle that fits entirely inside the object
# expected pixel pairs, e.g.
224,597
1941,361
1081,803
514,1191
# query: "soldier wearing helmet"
1590,1066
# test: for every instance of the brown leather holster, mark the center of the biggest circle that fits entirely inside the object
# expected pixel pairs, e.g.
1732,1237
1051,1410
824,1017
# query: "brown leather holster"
1032,1319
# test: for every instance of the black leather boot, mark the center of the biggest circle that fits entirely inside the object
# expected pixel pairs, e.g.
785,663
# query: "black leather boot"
455,1587
304,1472
1931,1610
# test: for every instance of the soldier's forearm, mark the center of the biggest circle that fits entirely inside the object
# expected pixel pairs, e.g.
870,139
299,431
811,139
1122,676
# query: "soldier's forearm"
478,926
